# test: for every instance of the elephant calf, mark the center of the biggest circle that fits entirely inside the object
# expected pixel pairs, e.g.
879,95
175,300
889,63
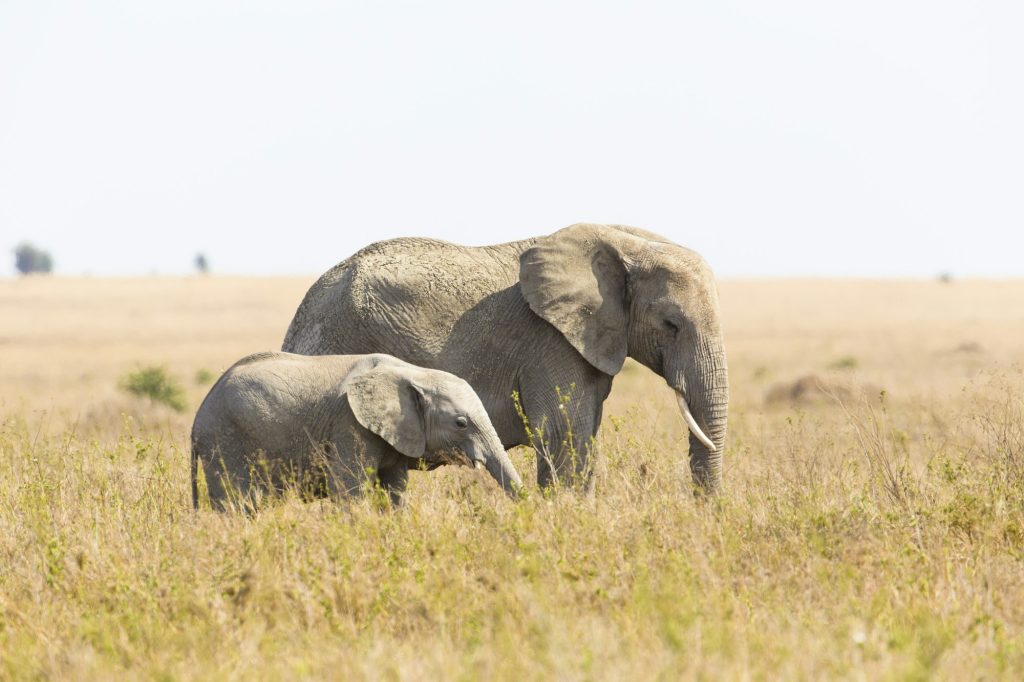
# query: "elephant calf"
334,423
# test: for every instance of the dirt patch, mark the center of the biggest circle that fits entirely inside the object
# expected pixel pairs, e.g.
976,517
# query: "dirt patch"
814,388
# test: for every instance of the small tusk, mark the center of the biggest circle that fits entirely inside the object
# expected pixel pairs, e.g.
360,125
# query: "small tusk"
478,465
692,423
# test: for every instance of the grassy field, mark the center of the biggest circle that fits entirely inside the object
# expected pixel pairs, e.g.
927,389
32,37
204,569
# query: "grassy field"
872,525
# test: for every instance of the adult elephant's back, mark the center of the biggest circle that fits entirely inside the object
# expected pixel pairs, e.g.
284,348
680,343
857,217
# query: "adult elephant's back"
403,297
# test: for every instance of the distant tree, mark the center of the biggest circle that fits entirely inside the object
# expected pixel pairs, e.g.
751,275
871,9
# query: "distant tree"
202,265
29,259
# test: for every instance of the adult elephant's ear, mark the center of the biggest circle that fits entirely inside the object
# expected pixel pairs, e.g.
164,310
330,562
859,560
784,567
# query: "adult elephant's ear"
576,279
385,401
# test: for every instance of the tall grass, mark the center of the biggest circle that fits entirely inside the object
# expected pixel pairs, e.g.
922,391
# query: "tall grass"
866,540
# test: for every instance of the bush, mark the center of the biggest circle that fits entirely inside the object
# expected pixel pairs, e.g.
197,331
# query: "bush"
204,376
157,385
29,259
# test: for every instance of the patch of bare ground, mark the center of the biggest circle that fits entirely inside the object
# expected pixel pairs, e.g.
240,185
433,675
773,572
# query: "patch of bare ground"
812,389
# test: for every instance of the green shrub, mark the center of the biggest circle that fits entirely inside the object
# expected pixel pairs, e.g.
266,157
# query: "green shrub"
204,376
157,385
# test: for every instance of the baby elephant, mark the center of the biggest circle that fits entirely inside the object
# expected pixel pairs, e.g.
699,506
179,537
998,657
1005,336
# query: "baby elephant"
336,422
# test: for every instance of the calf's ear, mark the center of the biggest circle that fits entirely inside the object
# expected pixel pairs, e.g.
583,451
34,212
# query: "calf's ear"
386,402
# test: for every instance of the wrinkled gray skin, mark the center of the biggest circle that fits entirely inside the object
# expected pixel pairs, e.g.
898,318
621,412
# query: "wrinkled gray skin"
533,315
334,422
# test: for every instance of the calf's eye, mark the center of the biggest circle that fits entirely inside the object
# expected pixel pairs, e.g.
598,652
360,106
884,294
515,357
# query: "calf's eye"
461,422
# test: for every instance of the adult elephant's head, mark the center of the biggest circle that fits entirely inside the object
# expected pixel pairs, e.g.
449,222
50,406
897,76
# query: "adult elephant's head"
614,291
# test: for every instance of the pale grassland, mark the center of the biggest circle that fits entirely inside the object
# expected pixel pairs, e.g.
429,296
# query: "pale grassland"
860,536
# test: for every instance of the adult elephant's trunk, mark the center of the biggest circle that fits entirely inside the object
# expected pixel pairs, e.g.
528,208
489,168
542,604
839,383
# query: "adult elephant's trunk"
705,406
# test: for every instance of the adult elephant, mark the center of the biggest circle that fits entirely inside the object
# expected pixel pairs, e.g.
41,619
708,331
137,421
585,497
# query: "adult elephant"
529,316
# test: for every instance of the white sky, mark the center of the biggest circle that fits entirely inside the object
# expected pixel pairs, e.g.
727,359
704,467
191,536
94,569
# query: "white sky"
777,138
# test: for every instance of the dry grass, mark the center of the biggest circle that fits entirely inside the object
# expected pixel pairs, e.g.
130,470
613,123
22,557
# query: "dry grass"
861,536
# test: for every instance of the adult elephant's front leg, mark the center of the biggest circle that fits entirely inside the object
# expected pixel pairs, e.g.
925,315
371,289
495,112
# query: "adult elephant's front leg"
563,426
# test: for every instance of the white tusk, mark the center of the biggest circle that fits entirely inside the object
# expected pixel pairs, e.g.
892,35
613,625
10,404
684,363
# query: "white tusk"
478,465
692,423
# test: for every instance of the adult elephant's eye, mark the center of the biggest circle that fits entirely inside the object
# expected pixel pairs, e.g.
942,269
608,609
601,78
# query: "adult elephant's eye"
672,326
461,422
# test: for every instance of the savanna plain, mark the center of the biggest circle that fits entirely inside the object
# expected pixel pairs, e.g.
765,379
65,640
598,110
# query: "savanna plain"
872,524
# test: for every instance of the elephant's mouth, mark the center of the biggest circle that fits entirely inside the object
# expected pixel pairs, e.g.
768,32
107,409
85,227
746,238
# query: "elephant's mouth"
458,457
691,423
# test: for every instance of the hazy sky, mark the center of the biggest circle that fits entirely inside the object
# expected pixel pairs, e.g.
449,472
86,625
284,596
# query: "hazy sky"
777,138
